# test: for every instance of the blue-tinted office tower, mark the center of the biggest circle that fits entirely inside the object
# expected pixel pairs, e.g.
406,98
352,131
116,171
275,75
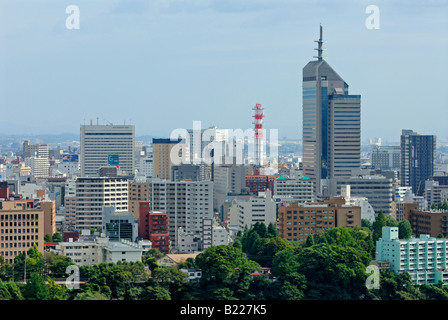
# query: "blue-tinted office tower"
331,123
418,153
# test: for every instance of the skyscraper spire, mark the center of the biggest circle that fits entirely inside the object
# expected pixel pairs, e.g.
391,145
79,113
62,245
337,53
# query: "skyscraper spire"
319,48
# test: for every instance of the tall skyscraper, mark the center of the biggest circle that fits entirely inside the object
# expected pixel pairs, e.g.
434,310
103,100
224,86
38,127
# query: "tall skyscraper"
103,145
331,123
418,153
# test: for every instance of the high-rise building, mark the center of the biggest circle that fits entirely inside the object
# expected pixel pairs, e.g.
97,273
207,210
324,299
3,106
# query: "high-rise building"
161,157
418,153
138,191
92,194
104,145
186,203
331,123
153,226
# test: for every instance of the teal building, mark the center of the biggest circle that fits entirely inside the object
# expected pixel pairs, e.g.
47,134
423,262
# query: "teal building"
424,258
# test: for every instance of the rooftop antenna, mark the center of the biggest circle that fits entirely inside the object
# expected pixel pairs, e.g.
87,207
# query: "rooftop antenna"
319,48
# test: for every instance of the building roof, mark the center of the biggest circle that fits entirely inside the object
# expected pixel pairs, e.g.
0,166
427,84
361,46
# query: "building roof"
281,178
181,257
306,178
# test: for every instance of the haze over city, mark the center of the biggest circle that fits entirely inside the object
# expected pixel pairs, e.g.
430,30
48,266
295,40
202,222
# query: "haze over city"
162,65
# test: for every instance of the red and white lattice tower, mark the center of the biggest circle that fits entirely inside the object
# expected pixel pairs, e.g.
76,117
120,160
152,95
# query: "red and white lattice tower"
258,134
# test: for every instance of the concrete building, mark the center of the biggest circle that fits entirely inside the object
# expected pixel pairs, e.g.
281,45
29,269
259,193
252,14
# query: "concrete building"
424,258
138,191
40,167
386,157
435,193
250,210
38,150
103,145
297,189
331,123
146,166
161,157
377,189
119,225
228,179
186,203
49,208
432,222
100,250
297,222
70,204
92,194
153,226
418,153
188,172
260,183
20,230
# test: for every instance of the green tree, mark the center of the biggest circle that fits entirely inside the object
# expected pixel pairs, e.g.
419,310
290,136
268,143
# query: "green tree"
35,288
57,237
334,272
155,293
440,236
309,241
48,238
390,222
261,229
272,231
151,263
366,224
378,224
404,229
225,267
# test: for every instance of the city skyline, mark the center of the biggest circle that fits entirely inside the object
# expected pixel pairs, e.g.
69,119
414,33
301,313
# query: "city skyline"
157,67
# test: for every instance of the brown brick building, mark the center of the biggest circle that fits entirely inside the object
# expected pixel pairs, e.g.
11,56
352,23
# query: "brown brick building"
296,221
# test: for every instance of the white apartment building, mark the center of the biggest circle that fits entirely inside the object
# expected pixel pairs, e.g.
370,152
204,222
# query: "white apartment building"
247,211
100,250
40,167
92,194
103,145
186,203
146,166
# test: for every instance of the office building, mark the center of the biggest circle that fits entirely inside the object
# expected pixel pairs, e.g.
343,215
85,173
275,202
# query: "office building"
20,230
424,258
92,194
119,225
193,172
228,179
260,183
331,123
162,162
378,190
386,157
107,145
418,153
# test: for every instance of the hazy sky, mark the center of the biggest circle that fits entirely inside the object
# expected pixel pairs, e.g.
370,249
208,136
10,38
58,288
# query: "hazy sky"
163,64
